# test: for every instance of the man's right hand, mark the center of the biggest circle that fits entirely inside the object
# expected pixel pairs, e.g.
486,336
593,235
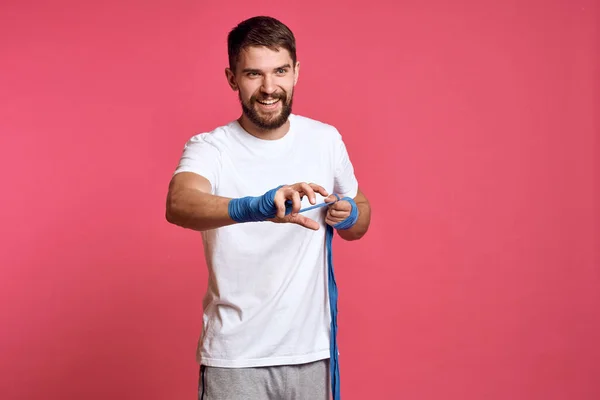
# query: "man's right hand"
294,193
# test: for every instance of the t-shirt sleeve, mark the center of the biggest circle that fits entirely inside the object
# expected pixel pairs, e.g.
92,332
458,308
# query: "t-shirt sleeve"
201,157
345,182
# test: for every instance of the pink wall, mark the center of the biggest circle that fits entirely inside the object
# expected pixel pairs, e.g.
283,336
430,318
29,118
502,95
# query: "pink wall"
474,130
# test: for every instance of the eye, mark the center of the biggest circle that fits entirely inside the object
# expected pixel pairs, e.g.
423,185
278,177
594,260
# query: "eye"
281,71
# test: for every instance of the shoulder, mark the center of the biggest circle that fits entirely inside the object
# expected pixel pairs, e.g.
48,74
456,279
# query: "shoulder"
319,130
214,140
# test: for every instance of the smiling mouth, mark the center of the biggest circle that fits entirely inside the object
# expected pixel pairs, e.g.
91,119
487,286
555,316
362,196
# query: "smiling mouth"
268,102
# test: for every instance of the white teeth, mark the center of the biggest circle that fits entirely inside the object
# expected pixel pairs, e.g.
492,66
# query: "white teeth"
270,102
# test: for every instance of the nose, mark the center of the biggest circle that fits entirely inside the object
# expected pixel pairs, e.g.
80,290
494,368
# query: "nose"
268,86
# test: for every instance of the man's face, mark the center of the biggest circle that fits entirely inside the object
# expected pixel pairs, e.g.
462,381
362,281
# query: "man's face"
265,81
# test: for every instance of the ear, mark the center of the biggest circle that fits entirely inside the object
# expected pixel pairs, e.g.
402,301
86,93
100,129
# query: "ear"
230,75
296,72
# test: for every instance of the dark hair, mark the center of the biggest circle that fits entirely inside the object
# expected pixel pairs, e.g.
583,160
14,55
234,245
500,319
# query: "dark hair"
260,31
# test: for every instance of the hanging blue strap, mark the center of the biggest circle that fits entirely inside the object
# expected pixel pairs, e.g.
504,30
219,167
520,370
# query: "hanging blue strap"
334,364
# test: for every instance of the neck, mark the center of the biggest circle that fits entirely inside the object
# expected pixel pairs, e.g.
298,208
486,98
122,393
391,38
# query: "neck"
265,134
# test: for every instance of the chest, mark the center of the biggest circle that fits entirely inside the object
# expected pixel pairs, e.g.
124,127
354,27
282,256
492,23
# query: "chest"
250,174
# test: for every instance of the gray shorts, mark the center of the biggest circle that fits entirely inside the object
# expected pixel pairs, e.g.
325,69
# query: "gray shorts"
285,382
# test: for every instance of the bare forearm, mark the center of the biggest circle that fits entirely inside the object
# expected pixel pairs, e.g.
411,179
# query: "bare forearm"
191,205
197,210
361,226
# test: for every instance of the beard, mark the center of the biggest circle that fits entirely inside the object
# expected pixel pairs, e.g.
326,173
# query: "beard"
268,121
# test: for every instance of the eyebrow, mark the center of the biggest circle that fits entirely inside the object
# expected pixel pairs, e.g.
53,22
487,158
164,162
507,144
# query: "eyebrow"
246,70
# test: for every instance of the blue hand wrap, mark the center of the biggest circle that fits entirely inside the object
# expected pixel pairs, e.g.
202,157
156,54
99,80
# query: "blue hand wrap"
255,208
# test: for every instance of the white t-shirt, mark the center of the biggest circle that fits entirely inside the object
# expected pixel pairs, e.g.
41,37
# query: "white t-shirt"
267,300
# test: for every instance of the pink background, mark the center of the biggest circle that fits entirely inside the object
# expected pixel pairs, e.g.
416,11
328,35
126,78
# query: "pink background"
473,127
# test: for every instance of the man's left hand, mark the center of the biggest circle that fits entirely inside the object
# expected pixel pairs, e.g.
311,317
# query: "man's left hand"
338,211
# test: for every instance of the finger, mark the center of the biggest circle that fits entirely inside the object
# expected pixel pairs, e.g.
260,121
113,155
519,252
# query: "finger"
280,203
319,189
309,191
332,221
331,198
296,204
305,222
342,205
339,213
